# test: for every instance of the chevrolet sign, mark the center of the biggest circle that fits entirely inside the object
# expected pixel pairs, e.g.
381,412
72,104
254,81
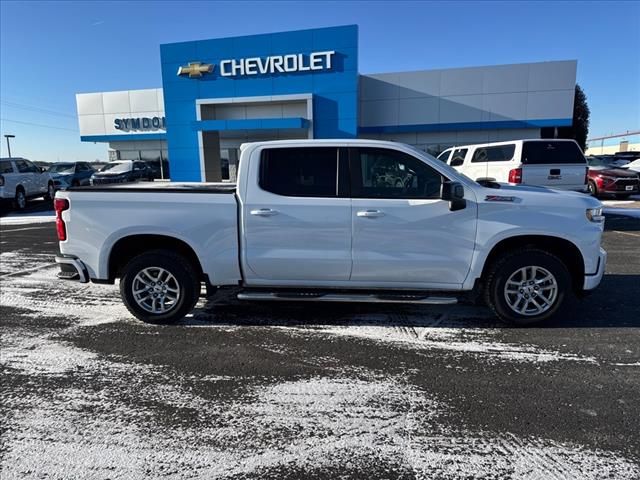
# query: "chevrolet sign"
264,65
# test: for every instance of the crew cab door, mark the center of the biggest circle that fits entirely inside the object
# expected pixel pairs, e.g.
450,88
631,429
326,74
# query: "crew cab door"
403,234
296,217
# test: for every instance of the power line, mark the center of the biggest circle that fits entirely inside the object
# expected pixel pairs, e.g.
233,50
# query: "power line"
36,109
38,125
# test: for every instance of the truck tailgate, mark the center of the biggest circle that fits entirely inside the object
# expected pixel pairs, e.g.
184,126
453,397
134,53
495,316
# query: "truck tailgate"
560,175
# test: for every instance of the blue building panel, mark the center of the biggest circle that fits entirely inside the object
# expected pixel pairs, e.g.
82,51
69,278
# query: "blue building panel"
334,90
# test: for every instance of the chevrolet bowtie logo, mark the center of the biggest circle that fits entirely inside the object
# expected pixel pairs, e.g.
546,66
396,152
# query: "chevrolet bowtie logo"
195,69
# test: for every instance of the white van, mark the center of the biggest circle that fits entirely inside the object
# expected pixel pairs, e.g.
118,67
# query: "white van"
547,162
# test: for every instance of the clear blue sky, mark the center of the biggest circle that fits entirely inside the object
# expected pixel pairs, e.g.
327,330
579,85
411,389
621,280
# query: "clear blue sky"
50,51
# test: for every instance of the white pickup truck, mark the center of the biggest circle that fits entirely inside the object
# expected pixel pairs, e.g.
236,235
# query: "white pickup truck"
338,221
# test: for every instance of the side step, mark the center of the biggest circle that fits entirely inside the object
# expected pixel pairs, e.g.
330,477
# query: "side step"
346,297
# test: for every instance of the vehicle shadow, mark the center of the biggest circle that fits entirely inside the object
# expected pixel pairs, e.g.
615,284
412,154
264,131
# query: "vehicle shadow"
621,223
613,305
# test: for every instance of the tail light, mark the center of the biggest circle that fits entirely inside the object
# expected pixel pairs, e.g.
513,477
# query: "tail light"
515,175
60,205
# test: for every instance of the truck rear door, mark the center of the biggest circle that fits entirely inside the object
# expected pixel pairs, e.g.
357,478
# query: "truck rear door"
296,220
554,163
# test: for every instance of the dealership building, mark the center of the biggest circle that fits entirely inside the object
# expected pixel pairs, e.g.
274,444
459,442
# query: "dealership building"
217,94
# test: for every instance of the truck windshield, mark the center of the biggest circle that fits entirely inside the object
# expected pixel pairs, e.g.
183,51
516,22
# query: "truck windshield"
117,167
62,168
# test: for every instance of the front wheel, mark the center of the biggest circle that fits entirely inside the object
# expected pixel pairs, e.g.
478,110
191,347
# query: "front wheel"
20,199
51,192
159,286
592,189
527,286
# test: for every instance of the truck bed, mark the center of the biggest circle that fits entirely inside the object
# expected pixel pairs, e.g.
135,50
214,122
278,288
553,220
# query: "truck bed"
168,187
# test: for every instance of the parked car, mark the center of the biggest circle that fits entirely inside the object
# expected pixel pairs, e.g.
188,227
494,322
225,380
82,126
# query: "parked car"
606,180
21,180
633,166
306,222
70,174
611,160
156,171
552,163
122,171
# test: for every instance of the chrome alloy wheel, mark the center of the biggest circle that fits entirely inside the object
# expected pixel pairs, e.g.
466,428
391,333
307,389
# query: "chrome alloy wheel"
531,291
155,290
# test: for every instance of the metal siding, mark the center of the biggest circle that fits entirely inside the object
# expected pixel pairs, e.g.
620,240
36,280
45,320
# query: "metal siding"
503,97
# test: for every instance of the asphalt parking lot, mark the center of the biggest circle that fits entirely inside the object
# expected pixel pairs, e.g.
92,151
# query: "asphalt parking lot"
291,391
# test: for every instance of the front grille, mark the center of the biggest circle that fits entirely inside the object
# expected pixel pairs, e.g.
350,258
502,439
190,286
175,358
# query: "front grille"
627,181
621,184
102,181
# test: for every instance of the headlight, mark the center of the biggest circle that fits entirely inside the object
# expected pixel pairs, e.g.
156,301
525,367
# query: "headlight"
607,178
595,215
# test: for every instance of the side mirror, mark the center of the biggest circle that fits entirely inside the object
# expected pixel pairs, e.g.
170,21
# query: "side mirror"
456,162
40,170
453,192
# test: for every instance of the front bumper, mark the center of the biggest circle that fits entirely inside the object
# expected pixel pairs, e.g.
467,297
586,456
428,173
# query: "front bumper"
592,280
71,268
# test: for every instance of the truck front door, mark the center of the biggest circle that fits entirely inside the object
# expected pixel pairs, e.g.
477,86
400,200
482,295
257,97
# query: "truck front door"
297,218
404,235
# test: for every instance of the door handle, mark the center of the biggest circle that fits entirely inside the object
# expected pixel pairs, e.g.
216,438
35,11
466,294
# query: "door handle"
370,213
264,212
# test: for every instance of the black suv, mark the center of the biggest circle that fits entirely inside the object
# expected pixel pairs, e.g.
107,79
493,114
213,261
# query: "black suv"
122,171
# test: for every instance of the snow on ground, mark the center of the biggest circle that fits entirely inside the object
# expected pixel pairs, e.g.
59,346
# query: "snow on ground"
21,219
108,418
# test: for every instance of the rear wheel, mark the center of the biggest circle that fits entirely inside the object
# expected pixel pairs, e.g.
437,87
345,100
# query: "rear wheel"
527,286
592,189
51,192
20,199
159,286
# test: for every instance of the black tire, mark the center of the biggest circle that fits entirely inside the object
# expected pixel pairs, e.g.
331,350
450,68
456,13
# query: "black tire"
502,269
592,188
184,274
20,200
51,192
75,183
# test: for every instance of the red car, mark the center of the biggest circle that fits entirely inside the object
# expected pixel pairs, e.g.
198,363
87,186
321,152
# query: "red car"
605,179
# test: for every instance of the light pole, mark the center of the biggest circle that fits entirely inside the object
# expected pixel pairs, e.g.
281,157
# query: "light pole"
9,146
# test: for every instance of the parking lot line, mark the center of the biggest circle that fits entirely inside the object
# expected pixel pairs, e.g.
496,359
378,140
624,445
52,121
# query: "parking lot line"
627,233
28,270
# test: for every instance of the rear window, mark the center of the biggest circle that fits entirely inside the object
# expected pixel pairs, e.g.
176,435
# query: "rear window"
551,153
5,167
496,153
300,172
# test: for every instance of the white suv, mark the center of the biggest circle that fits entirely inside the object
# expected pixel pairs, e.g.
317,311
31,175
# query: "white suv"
551,163
21,180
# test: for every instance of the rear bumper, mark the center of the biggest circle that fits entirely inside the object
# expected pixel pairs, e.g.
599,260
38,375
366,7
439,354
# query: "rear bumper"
71,268
592,280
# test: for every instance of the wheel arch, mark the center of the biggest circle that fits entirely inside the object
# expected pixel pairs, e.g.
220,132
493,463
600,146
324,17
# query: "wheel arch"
130,246
562,248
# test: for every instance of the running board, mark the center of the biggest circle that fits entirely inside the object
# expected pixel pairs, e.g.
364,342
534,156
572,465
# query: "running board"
347,298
